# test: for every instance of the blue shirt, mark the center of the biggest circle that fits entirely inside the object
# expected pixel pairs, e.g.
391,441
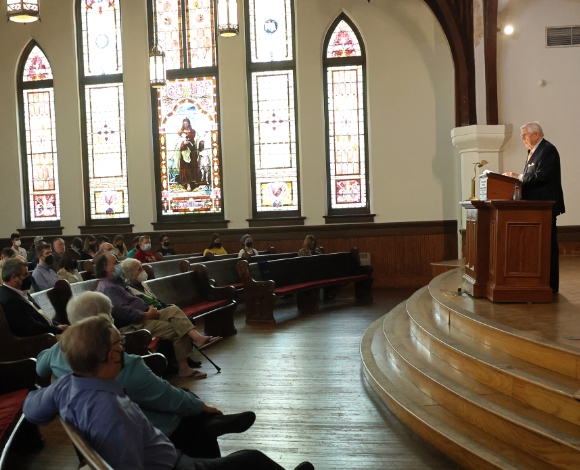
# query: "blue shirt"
162,403
107,419
44,277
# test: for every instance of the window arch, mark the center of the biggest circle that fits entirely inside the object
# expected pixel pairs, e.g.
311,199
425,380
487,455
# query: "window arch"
100,62
38,139
344,61
186,113
271,67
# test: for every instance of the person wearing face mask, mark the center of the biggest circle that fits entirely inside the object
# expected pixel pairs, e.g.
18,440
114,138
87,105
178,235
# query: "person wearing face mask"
309,247
44,276
31,255
120,250
15,240
144,254
135,247
165,250
68,267
215,246
247,243
105,248
58,247
90,246
25,317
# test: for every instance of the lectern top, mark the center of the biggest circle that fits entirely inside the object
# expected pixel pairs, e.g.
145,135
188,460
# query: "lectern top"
497,176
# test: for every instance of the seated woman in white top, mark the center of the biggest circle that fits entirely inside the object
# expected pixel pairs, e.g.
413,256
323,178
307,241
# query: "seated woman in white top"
247,243
68,266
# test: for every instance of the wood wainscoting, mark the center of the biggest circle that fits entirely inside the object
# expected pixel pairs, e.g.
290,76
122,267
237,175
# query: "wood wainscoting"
401,253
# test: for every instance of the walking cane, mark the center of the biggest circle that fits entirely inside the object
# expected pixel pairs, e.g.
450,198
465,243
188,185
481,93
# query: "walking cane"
204,355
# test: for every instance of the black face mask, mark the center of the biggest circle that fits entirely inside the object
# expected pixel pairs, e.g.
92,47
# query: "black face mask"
26,283
217,245
165,244
49,259
122,361
92,246
137,247
120,246
249,244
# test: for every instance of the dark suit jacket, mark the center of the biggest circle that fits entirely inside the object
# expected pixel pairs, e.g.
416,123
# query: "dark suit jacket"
542,177
22,318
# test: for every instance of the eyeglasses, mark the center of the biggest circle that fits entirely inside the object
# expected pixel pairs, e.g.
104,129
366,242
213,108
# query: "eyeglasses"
122,341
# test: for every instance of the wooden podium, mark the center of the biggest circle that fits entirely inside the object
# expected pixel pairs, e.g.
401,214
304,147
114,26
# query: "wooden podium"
507,253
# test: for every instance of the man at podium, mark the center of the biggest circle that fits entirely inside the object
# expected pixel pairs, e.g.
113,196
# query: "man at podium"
542,181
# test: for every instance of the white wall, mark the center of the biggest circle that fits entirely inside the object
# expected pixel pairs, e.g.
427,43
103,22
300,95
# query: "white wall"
413,169
523,60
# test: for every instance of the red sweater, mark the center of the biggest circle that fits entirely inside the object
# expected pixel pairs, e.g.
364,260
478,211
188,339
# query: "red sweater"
145,256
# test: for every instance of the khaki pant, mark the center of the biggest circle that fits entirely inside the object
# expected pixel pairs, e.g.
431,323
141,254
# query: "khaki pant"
173,325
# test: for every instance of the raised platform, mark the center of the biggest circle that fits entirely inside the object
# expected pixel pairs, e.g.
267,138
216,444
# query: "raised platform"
491,385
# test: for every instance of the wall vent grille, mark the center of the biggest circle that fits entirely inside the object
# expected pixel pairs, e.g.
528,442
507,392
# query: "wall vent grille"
563,36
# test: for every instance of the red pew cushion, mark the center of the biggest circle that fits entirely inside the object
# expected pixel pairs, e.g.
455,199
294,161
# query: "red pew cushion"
317,284
204,307
10,412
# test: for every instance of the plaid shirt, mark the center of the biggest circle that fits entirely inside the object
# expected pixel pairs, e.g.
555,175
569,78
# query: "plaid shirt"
127,309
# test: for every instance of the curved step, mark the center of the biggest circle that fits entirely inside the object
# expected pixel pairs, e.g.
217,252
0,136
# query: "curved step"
540,351
552,446
545,390
463,442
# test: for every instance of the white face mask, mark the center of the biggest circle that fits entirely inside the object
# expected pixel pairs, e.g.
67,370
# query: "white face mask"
147,247
142,277
17,242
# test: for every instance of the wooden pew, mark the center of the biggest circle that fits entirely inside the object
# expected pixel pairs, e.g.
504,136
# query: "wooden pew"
90,458
16,380
264,282
14,348
198,299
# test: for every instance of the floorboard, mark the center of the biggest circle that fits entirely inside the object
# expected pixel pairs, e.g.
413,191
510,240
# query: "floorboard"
303,378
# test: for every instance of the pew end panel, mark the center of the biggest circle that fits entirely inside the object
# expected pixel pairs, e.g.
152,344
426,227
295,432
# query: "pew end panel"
259,296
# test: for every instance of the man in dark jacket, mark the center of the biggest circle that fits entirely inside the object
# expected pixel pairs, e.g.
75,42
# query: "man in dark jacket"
542,181
24,315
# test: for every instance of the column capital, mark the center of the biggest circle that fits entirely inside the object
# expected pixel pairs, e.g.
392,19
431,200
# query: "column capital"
480,138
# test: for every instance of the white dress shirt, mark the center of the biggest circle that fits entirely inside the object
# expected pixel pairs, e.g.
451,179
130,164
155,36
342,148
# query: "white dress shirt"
25,297
521,176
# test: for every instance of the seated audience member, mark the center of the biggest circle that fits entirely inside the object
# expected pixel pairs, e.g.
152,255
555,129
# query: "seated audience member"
164,249
309,247
135,247
31,255
215,246
187,421
144,254
58,247
247,243
7,253
90,246
120,250
24,316
43,274
15,240
92,400
105,248
131,313
68,267
100,240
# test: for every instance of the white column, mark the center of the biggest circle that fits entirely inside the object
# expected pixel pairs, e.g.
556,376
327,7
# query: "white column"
477,143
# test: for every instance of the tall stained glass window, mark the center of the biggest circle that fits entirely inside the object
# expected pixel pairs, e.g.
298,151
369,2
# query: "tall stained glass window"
271,72
188,162
347,159
38,137
102,102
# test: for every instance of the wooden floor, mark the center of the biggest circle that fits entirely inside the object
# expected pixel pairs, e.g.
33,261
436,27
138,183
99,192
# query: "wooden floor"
558,321
303,378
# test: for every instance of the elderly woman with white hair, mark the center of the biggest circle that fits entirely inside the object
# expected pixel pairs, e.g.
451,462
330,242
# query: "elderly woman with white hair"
189,423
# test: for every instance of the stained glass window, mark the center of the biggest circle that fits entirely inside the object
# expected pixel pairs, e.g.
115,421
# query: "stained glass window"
189,147
191,46
346,144
39,138
274,140
270,30
101,30
269,27
103,105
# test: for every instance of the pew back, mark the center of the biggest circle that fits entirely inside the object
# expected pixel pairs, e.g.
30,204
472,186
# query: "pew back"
41,298
178,289
85,286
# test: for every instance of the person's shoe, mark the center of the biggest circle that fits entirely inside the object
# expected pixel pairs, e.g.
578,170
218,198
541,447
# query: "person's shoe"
219,425
193,364
305,466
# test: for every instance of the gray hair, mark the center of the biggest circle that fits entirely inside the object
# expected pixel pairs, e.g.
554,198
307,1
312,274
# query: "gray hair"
532,127
86,345
144,237
86,305
10,267
129,266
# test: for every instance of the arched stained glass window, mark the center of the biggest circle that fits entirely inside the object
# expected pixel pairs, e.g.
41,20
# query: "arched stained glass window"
38,139
347,156
271,71
102,104
188,167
